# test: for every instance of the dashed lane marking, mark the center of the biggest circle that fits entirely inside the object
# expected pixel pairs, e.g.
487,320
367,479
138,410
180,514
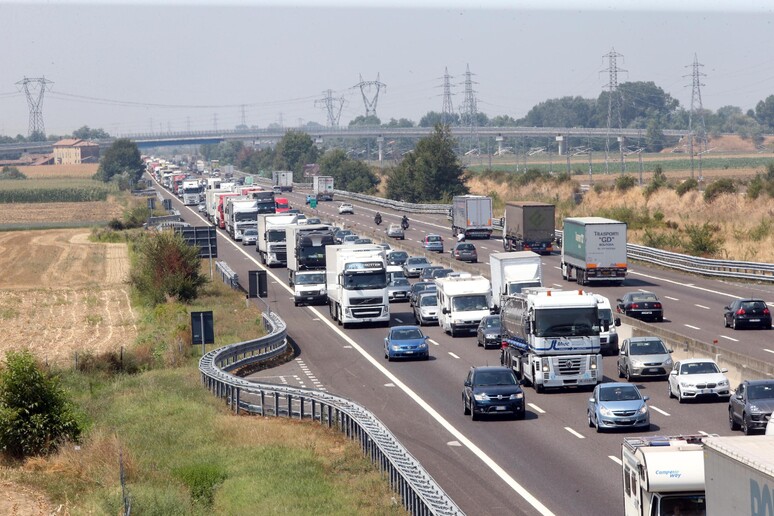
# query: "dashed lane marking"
573,432
615,459
453,355
702,306
692,327
453,443
671,298
768,350
389,384
536,408
729,338
400,321
659,411
433,342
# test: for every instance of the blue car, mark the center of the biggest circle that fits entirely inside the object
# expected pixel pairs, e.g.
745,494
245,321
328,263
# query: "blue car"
405,341
618,405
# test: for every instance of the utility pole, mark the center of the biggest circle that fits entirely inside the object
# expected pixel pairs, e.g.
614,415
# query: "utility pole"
613,101
332,107
34,90
244,118
370,101
697,109
448,108
469,108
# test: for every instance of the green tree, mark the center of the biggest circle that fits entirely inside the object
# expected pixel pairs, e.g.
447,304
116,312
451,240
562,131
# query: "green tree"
86,133
370,120
654,135
717,187
433,118
293,151
121,161
348,174
35,414
166,267
11,173
764,112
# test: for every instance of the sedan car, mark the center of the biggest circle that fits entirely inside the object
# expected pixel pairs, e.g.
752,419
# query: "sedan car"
749,313
698,378
361,241
751,405
395,231
464,252
340,234
427,272
618,405
413,266
346,207
433,243
419,287
405,341
488,332
492,390
426,308
350,239
313,220
202,207
641,305
644,357
250,236
397,257
398,289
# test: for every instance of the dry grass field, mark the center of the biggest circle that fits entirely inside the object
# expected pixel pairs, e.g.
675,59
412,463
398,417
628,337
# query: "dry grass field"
41,214
79,171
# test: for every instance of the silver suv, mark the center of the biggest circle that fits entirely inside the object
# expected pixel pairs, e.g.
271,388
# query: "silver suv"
644,357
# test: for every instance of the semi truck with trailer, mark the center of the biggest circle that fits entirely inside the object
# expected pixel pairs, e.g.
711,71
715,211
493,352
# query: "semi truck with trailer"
272,237
241,213
529,226
322,188
220,216
264,199
550,338
192,191
594,250
283,179
463,300
281,205
472,215
513,272
356,284
306,262
211,199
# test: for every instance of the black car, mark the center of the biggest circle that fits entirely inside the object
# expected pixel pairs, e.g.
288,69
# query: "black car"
340,234
641,305
751,405
397,257
747,313
488,332
420,286
492,390
427,272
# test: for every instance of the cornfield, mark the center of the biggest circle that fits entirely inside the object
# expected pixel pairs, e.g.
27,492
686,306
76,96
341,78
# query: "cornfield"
54,190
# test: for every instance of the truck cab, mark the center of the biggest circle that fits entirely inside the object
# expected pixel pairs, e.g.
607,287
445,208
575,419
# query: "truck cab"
608,339
463,301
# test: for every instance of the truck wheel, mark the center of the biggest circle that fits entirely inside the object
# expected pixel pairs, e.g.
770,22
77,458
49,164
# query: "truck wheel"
331,310
565,275
338,314
732,424
452,331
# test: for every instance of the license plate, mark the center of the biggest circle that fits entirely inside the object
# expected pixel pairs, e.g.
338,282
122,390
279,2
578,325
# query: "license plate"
755,320
499,408
409,352
653,370
626,421
706,391
646,313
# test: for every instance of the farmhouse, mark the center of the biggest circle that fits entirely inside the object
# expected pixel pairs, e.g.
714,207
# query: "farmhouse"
73,151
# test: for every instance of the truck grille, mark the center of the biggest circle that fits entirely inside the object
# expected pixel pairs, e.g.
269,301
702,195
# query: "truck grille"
367,312
355,301
569,366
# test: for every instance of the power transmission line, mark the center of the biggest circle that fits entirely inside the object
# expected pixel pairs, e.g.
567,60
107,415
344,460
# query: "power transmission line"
35,89
448,108
696,76
370,103
469,108
330,105
613,99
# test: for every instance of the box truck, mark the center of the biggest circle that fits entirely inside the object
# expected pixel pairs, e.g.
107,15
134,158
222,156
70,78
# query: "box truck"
306,262
272,237
472,215
322,188
594,250
529,226
513,272
463,300
283,179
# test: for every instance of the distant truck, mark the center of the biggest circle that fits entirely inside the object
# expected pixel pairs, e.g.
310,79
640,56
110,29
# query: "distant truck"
529,226
272,237
463,301
283,179
356,284
472,215
322,188
241,213
594,250
220,216
264,200
306,262
513,272
192,191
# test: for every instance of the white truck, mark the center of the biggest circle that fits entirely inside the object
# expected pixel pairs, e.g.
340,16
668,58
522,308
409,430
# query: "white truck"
472,215
356,283
283,179
661,474
608,340
513,272
594,250
240,213
272,237
551,338
306,262
211,200
192,191
322,188
739,475
463,300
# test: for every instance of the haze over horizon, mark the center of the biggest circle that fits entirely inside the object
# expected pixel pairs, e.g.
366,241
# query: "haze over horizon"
173,66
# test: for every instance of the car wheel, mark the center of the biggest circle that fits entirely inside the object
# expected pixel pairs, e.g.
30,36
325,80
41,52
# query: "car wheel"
732,424
620,372
745,425
473,414
588,416
389,357
725,322
465,408
733,323
680,396
669,389
295,303
452,331
628,374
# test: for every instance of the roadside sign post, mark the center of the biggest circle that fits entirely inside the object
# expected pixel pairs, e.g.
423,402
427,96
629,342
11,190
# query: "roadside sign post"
202,329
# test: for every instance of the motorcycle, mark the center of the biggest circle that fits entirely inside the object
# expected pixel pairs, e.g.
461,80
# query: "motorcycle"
404,224
378,219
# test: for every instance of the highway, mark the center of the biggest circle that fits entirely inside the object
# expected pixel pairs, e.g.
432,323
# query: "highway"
552,462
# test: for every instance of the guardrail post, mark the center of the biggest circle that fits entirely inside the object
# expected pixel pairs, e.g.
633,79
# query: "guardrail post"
276,403
263,402
302,400
236,406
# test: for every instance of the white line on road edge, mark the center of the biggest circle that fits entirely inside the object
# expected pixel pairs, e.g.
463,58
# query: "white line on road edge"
573,432
536,408
399,320
660,411
692,327
671,298
729,338
768,350
702,432
702,306
434,342
615,459
467,443
453,355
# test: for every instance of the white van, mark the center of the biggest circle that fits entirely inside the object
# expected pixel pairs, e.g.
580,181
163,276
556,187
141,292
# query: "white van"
462,302
608,340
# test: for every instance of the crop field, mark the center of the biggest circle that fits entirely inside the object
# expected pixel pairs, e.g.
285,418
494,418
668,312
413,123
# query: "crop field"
77,171
54,190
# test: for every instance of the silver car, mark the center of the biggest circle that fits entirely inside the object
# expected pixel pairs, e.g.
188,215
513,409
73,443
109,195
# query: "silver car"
426,308
618,405
413,266
642,357
395,231
250,236
398,289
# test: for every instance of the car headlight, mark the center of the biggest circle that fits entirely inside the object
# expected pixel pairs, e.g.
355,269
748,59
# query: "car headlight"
723,383
668,362
422,346
605,411
516,396
637,363
481,397
396,348
643,409
687,384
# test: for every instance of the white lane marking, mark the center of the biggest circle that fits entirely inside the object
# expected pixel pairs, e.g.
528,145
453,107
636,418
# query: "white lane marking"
315,319
573,432
389,384
467,443
453,443
692,327
702,432
671,298
659,411
536,408
482,247
433,342
347,347
557,285
615,459
729,338
689,285
702,306
399,320
453,355
768,350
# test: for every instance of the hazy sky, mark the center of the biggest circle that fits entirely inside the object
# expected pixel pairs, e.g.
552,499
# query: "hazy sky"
138,67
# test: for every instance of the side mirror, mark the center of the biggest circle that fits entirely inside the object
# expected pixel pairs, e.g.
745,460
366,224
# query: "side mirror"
445,311
619,301
618,321
606,326
724,370
673,372
467,383
645,398
592,400
670,351
427,337
726,308
739,396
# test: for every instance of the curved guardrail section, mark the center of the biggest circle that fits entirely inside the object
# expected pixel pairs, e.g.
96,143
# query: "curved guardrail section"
420,494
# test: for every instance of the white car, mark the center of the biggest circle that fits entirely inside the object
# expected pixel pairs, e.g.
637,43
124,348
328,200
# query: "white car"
698,378
345,207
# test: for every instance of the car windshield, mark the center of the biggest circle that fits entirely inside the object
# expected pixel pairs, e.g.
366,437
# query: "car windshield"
606,315
465,247
275,235
619,393
417,261
433,239
355,280
251,232
495,378
429,300
470,303
398,256
567,322
699,368
492,322
761,392
395,227
648,347
400,282
310,279
406,334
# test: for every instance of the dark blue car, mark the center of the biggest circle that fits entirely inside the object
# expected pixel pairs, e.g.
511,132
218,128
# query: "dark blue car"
405,342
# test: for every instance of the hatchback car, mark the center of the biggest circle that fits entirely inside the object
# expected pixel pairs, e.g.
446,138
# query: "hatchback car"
413,266
398,289
642,357
250,236
202,207
395,231
492,390
465,252
350,239
697,378
441,273
340,234
433,243
489,331
747,313
617,405
427,272
751,405
361,241
405,341
397,257
419,287
641,305
313,220
426,308
346,207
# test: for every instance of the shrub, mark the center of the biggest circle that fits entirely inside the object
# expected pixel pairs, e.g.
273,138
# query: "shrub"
659,180
662,240
702,240
202,480
11,173
720,186
625,182
686,186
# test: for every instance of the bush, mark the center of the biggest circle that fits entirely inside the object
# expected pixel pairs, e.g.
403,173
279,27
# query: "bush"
755,188
686,186
35,415
702,240
11,173
659,180
721,186
625,182
202,480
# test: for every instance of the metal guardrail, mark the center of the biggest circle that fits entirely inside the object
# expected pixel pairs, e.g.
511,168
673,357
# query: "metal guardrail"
227,275
420,494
